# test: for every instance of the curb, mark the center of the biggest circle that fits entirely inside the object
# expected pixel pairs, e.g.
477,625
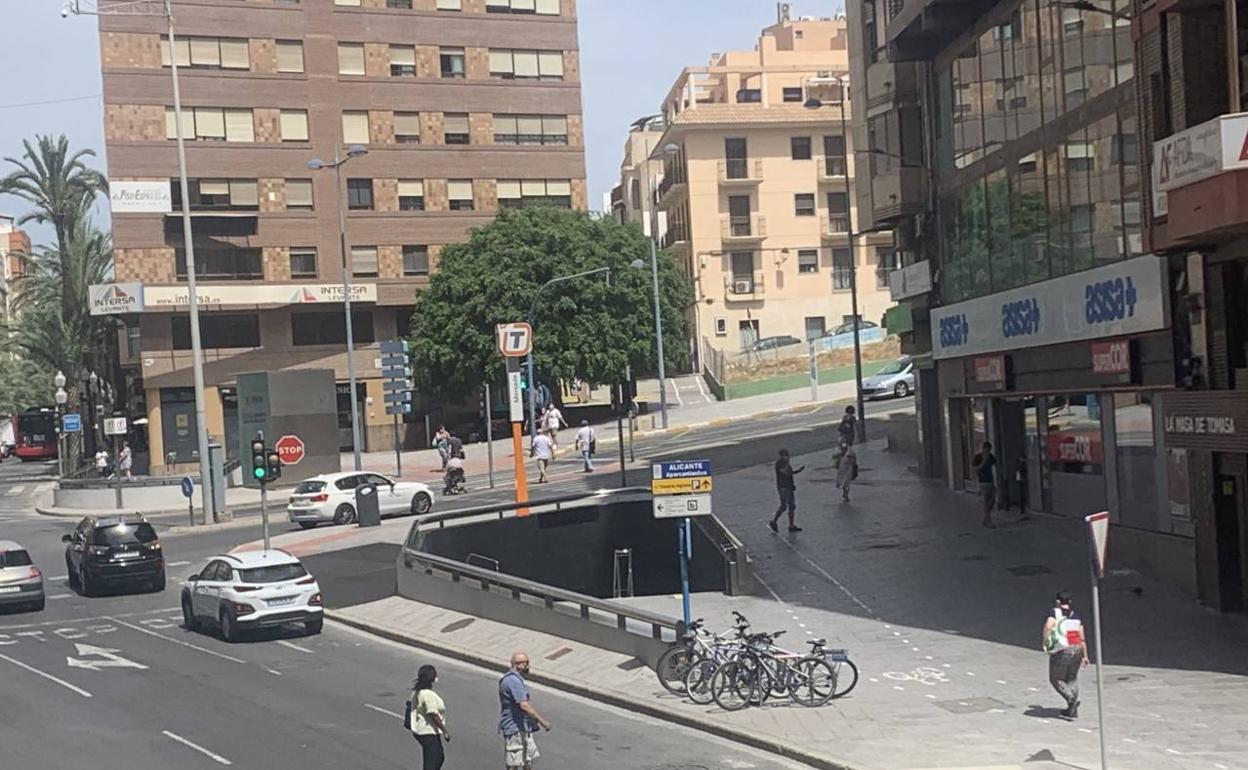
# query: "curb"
586,690
176,529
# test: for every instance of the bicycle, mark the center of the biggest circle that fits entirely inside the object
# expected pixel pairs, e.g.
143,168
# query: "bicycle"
837,659
701,671
674,664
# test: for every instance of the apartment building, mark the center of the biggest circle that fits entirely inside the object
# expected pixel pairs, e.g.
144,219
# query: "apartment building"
758,190
641,170
14,242
464,107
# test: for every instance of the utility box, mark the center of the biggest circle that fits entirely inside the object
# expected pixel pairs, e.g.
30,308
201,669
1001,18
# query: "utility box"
302,403
367,510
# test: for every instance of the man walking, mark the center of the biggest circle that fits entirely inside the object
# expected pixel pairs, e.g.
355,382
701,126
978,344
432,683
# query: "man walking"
543,453
985,464
586,443
788,491
518,720
1063,640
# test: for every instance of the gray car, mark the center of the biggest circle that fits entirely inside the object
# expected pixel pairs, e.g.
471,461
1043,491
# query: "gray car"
895,379
21,582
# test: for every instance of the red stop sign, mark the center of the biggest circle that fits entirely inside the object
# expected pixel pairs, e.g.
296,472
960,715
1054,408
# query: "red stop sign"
290,449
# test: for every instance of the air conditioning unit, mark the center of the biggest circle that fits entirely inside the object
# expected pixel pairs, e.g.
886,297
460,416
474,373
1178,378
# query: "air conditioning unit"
743,286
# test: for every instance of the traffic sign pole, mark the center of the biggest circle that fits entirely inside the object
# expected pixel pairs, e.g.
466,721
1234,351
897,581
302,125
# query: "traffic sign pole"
489,433
686,550
1098,532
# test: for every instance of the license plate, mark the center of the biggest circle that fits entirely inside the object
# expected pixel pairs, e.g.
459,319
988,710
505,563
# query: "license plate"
127,555
284,601
10,589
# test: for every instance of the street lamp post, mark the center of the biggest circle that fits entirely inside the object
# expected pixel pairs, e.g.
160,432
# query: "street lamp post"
652,194
528,360
136,8
61,397
861,422
354,151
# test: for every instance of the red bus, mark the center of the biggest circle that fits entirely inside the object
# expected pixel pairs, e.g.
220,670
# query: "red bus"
34,433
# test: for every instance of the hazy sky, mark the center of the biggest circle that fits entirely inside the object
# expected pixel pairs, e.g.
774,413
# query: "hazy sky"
631,52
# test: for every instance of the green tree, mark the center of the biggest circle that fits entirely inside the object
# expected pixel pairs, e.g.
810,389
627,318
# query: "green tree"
582,328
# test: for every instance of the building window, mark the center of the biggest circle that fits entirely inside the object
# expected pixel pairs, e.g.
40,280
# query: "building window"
739,215
721,327
793,94
804,204
294,125
352,3
736,158
518,193
217,261
359,194
402,61
1072,22
842,268
415,260
885,263
1080,157
541,7
450,5
508,64
211,124
302,261
411,195
289,56
815,327
218,330
799,147
364,261
1124,149
299,194
407,127
1028,163
455,128
405,5
350,58
218,194
459,194
328,327
355,128
808,260
530,129
452,62
1076,87
221,53
838,212
834,155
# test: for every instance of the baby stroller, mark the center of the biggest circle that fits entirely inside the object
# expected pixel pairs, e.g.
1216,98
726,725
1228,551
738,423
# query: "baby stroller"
453,480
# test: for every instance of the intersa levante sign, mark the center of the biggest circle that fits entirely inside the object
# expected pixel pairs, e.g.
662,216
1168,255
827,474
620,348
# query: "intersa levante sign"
1116,300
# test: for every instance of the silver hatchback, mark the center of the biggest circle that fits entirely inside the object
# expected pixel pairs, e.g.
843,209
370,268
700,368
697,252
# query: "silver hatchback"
21,582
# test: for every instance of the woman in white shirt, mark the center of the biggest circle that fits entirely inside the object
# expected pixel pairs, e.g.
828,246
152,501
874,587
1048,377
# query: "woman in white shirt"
429,718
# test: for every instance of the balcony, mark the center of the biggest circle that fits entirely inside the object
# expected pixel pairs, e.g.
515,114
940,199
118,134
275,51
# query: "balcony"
919,29
834,226
673,238
740,171
898,192
743,287
670,187
743,229
833,169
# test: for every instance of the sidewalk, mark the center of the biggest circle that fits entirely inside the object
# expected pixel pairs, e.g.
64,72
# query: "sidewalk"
943,618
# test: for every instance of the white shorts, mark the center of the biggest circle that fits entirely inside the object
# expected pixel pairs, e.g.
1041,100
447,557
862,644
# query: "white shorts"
520,750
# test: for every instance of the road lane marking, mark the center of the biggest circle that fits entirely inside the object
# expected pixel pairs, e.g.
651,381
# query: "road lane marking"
177,564
676,391
380,710
61,596
150,632
47,676
108,658
274,671
705,398
294,646
211,755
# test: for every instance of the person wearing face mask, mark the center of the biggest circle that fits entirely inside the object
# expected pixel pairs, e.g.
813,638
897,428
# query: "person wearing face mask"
519,719
1064,643
429,718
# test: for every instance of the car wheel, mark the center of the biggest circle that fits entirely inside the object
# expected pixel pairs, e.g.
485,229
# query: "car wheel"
307,524
158,583
421,503
313,627
902,390
344,514
189,622
229,628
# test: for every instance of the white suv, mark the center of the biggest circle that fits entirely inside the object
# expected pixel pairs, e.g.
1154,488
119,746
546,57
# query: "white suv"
254,589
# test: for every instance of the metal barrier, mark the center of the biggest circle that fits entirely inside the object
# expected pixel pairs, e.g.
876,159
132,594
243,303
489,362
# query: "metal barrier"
737,575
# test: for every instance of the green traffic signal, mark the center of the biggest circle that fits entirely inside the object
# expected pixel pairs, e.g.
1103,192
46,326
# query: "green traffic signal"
259,472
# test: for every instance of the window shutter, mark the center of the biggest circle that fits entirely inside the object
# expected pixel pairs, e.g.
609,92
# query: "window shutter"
289,56
523,5
555,125
551,63
505,124
214,187
509,188
548,7
529,124
562,187
350,59
403,55
459,189
533,187
500,61
294,124
450,5
239,126
355,128
299,193
526,63
363,259
188,124
205,51
411,188
210,122
234,55
455,124
244,193
407,123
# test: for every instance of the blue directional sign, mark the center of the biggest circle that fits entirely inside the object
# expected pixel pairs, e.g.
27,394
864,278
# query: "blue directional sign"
681,469
188,487
72,423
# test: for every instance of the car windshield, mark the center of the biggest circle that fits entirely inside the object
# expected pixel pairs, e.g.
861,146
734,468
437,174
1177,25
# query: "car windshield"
309,487
14,559
895,367
124,534
276,573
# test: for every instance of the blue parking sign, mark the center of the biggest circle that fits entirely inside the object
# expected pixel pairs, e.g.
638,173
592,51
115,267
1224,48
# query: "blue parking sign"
71,422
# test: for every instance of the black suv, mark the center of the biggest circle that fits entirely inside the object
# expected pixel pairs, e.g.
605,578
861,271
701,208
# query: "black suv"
107,550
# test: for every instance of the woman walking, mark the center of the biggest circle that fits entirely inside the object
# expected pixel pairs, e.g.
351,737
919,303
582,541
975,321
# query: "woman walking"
429,718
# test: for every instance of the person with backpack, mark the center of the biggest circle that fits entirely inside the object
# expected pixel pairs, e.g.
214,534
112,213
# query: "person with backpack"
442,440
518,720
1063,641
427,719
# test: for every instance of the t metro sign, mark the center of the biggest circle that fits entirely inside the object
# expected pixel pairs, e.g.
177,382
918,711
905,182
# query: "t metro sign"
515,339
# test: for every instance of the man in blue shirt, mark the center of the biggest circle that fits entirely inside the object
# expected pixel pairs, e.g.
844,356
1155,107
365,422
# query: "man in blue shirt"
518,719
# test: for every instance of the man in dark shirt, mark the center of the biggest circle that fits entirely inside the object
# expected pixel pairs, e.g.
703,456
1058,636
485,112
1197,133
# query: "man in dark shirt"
985,466
787,490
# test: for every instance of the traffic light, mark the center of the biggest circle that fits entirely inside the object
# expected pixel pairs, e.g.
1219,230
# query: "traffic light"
259,465
273,466
524,380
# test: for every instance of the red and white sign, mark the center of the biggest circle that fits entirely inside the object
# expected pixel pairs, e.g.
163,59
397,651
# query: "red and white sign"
515,339
990,370
1111,357
290,449
1078,447
1098,530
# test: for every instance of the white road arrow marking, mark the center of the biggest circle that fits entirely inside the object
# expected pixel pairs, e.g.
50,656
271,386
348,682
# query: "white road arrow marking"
108,658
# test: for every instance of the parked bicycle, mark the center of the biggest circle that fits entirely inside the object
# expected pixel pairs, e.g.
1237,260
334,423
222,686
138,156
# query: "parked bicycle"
697,644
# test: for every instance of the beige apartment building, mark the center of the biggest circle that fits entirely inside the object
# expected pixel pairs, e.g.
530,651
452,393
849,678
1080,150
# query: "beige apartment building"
465,107
758,196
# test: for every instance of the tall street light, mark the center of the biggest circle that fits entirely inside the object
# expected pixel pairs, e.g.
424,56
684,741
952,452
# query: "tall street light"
652,193
528,362
61,397
316,164
861,422
139,8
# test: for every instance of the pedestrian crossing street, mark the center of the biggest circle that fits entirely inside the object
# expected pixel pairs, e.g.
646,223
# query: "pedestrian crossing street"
17,500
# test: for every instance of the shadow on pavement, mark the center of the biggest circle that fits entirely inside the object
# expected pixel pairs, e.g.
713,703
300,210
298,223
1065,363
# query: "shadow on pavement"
355,575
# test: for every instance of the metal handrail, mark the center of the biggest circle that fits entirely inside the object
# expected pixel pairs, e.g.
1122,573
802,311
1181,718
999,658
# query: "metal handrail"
503,508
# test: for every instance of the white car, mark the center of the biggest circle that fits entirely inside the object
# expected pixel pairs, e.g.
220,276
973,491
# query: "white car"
253,589
331,498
